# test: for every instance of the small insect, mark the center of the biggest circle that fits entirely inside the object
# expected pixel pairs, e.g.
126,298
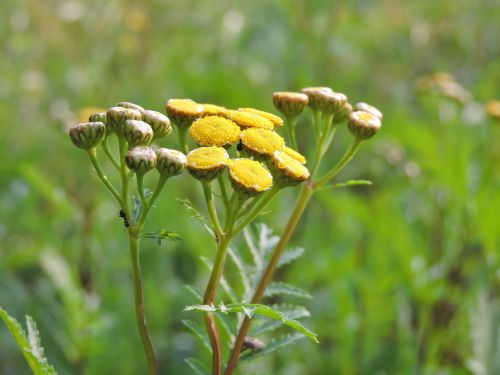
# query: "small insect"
239,146
253,343
124,216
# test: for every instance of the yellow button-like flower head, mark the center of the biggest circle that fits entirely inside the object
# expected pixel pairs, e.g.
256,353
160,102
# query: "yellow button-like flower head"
261,143
248,120
183,112
276,120
206,163
249,177
214,131
294,154
286,170
213,110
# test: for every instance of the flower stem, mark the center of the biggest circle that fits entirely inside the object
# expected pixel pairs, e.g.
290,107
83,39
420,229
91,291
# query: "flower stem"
212,210
149,204
93,158
109,154
139,304
182,134
124,177
140,190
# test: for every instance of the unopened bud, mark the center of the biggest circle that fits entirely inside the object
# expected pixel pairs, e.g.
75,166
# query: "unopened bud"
291,104
370,109
118,115
170,162
140,159
314,94
342,114
98,117
331,102
158,122
137,133
363,125
87,135
130,106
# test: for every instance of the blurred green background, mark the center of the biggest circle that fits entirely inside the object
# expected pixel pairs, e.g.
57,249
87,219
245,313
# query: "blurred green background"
405,273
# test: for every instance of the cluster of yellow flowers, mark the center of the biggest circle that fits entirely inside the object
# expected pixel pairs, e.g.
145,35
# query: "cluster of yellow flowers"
260,150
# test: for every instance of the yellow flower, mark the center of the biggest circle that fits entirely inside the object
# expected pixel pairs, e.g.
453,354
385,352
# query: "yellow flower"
249,177
294,154
213,110
276,120
261,142
287,171
493,109
206,163
214,131
248,120
183,112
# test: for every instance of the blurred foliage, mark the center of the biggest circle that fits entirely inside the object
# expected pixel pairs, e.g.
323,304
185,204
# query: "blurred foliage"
404,273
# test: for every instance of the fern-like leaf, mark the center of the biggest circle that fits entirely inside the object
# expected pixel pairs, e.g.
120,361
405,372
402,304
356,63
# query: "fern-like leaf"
194,213
197,367
290,311
189,324
279,288
290,255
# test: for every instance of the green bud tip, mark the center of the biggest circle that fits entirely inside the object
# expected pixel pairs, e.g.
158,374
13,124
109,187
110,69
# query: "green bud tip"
370,109
137,133
330,102
118,115
170,162
291,104
314,95
140,159
87,135
159,122
130,106
364,125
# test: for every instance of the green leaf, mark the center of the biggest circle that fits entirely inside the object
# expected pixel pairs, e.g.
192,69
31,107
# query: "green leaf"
351,183
290,311
279,288
194,213
162,235
290,255
197,367
251,309
272,346
194,292
189,324
28,344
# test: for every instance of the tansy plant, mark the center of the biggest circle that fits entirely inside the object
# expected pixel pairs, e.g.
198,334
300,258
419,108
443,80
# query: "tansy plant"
242,162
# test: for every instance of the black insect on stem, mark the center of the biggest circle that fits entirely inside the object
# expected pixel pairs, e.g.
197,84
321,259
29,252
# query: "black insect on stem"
124,216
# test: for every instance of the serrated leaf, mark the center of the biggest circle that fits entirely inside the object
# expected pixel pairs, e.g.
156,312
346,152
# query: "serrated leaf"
272,346
290,311
29,345
351,183
267,241
290,255
162,235
250,309
197,367
279,288
194,213
189,324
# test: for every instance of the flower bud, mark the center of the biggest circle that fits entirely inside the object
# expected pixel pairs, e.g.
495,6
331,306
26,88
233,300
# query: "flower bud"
342,114
206,163
137,133
331,102
276,120
183,112
158,122
98,117
87,135
370,109
363,125
170,162
261,143
314,95
248,120
118,115
249,177
286,170
291,104
140,159
214,131
130,106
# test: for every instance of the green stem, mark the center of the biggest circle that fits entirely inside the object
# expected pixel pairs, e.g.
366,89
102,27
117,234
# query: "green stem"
124,178
140,189
223,191
182,134
346,158
290,131
93,158
139,305
212,210
149,204
255,211
317,124
300,205
109,154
